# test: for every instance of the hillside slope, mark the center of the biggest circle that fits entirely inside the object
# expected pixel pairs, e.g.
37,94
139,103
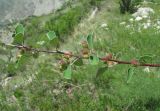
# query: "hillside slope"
20,9
41,87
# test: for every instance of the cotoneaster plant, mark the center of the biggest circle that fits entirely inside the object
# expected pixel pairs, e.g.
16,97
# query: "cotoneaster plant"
69,59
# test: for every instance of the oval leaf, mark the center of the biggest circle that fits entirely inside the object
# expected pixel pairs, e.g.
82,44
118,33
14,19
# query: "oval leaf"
94,60
90,41
21,61
68,72
51,35
130,74
19,29
18,39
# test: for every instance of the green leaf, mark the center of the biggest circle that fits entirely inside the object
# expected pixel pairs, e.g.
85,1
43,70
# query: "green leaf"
51,35
21,61
19,29
90,41
94,60
101,70
146,59
79,62
68,72
130,74
18,39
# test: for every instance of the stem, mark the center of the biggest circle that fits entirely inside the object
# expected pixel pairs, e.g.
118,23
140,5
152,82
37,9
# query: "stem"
104,59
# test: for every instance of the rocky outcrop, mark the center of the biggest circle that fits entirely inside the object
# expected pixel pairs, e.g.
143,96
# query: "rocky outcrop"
20,9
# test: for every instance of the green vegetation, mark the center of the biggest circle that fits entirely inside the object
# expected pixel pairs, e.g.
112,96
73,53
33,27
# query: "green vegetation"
62,22
129,5
41,86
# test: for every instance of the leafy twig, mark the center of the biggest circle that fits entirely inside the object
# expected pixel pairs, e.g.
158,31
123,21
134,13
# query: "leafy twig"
104,59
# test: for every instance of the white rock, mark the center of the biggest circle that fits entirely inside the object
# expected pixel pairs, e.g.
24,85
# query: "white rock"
146,25
21,9
5,81
128,26
107,28
158,22
158,27
122,23
149,21
143,12
131,20
144,16
16,86
104,25
138,18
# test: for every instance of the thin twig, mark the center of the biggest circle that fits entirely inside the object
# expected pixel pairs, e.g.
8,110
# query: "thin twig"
104,59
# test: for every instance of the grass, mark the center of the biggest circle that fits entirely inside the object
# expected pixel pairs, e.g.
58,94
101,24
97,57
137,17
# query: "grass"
48,91
62,21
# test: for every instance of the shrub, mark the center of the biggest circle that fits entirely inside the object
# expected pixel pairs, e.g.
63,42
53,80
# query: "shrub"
62,22
65,23
95,2
128,5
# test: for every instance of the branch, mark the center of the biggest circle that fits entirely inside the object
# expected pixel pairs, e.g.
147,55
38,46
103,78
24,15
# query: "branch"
104,59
